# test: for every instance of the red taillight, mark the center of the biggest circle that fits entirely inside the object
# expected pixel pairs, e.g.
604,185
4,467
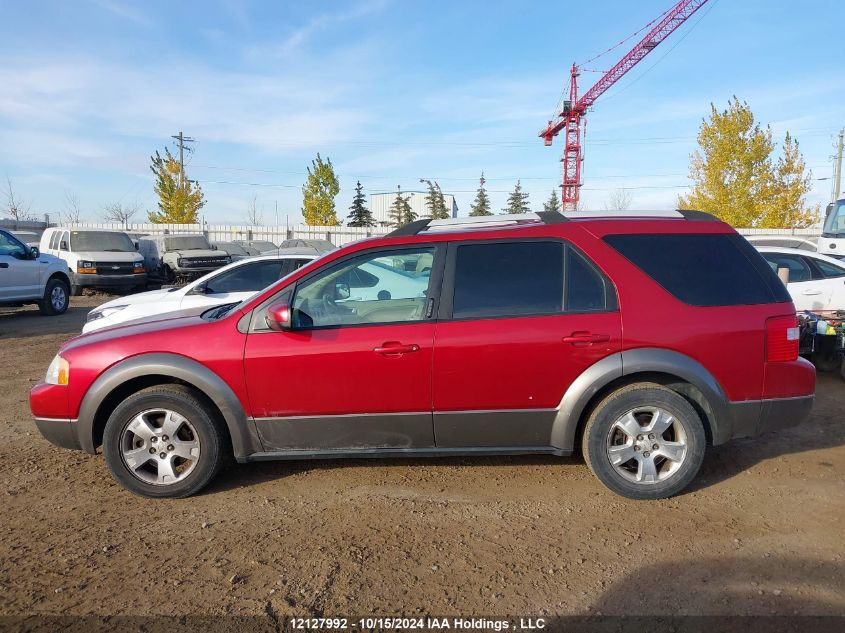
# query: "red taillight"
782,338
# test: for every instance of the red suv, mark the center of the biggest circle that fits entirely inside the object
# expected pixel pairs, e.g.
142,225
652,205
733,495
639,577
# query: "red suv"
640,339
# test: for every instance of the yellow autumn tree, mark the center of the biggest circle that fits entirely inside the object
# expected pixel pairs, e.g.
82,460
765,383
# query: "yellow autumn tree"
736,178
179,199
318,193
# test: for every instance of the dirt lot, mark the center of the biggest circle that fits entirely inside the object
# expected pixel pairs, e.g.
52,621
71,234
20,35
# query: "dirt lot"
760,533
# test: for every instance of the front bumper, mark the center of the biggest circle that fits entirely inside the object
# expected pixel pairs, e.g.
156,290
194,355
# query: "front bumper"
108,281
59,431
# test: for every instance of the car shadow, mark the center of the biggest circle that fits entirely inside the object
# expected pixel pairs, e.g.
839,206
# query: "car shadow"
821,430
28,321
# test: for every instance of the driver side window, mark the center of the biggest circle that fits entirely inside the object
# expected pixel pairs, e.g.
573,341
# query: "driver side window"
378,287
10,246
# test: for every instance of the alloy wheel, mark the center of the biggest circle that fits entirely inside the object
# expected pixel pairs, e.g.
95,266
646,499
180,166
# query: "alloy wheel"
647,445
160,447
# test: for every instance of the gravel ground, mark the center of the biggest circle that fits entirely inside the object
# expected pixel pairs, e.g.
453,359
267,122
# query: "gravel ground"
760,533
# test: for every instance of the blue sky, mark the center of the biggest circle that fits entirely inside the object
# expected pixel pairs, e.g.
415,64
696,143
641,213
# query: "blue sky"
392,91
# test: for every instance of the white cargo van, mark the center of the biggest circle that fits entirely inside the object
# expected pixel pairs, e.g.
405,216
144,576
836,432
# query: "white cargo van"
97,258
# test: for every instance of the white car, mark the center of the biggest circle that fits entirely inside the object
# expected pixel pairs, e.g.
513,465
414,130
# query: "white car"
816,282
230,284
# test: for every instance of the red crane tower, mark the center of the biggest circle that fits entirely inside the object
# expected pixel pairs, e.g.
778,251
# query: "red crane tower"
571,113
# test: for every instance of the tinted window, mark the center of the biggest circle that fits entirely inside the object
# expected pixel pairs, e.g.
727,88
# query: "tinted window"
508,279
10,246
246,278
338,296
799,269
63,241
585,290
829,270
54,240
703,270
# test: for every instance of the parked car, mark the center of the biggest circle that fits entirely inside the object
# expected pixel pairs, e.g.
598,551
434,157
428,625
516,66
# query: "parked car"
96,258
257,247
230,284
641,340
30,238
233,250
816,281
29,276
317,247
180,258
802,243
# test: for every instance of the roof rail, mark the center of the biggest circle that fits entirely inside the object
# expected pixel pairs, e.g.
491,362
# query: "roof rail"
483,221
701,216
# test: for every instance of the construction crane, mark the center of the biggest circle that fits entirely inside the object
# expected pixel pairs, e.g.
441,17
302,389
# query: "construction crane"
571,112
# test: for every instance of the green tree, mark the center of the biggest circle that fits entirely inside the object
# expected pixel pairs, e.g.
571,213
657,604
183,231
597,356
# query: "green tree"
553,203
481,204
401,212
359,214
517,201
318,193
179,199
434,201
735,178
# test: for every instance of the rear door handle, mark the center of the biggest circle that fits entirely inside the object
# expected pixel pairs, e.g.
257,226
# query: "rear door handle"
585,338
4,264
395,348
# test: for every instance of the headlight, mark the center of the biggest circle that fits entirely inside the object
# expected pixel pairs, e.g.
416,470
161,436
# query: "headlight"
106,311
58,373
86,267
179,262
138,267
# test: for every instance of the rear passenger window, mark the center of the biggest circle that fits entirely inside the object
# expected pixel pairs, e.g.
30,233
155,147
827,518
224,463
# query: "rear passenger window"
54,241
585,291
508,279
703,270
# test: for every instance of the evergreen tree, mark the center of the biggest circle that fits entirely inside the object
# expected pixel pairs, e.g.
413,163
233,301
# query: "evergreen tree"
401,212
318,193
481,204
179,199
359,214
553,203
435,201
517,201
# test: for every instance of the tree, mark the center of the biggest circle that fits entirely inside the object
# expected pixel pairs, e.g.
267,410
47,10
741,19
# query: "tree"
179,199
318,193
401,212
734,176
72,213
481,204
618,200
434,201
119,212
359,214
517,201
16,209
553,203
254,215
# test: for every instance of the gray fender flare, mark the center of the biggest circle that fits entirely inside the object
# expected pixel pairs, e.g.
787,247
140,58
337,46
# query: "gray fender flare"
244,437
635,361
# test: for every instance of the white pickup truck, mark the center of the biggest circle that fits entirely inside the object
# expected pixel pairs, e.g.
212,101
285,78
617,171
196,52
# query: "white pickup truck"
27,276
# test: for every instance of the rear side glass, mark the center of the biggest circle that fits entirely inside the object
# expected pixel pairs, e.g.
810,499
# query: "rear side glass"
585,291
799,269
703,269
829,270
508,279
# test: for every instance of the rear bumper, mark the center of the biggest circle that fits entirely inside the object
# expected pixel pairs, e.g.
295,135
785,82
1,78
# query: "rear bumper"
108,281
58,431
755,417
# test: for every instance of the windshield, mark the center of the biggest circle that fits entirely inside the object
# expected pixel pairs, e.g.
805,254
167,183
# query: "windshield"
263,246
232,249
187,243
100,241
835,222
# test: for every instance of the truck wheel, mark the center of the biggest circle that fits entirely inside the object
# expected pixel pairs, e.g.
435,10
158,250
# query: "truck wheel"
56,298
644,441
164,442
76,291
826,361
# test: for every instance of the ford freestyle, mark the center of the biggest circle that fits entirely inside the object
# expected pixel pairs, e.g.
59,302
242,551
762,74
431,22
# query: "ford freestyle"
639,341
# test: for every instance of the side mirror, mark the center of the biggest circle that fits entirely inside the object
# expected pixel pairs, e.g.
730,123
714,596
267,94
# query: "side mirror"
200,289
278,316
214,247
34,253
341,291
63,245
137,246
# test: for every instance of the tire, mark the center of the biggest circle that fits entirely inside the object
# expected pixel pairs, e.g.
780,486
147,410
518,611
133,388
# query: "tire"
826,362
56,298
136,435
639,408
76,291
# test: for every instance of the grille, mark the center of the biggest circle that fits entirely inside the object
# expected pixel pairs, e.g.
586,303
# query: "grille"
114,268
194,262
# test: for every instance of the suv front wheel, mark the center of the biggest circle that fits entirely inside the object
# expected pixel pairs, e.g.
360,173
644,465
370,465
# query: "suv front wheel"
163,441
644,441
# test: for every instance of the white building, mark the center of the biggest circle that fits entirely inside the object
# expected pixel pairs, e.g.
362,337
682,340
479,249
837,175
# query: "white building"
380,204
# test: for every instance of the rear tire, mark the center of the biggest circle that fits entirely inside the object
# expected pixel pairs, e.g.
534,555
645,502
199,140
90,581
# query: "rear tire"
56,298
164,441
644,441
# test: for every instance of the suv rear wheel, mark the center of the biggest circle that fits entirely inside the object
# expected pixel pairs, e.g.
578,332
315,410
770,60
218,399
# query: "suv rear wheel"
56,298
644,441
163,442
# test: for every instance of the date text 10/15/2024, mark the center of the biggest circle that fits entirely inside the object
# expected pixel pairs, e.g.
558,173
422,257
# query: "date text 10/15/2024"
428,623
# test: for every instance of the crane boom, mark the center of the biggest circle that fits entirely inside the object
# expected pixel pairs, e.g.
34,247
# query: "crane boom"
570,114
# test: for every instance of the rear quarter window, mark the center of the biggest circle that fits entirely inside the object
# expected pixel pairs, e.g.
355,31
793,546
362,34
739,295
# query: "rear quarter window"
703,269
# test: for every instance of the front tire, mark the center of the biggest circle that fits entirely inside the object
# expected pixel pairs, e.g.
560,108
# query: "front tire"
56,298
644,441
164,441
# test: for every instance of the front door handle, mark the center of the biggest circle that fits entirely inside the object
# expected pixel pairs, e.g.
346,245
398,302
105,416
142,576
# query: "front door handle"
4,264
812,292
395,348
580,339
